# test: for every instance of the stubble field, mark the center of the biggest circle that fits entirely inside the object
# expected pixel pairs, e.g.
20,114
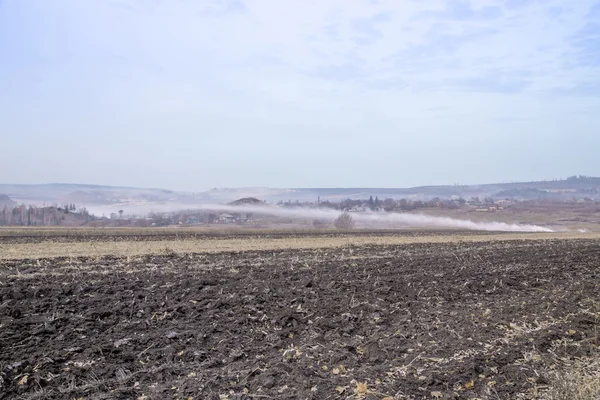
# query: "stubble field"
429,315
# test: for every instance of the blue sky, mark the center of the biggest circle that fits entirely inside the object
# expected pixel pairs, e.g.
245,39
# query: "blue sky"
192,95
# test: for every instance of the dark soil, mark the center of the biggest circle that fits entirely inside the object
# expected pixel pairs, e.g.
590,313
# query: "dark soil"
478,320
160,235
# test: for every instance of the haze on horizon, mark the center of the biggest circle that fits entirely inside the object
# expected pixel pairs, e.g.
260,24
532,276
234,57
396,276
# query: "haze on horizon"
191,95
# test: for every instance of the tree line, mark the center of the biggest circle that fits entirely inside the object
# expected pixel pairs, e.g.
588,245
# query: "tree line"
23,215
388,204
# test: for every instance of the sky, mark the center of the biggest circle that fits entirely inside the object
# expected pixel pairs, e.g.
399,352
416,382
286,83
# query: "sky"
192,95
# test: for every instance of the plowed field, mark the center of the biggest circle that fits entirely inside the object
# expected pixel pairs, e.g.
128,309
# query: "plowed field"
488,320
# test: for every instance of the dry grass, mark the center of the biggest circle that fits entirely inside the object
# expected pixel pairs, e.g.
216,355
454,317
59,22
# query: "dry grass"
580,381
48,249
568,219
577,378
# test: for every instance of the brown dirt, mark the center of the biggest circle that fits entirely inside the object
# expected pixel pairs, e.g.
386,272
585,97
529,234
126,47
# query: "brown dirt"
60,235
17,247
429,320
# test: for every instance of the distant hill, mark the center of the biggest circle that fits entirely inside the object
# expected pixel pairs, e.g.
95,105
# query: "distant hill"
108,199
247,201
6,201
59,193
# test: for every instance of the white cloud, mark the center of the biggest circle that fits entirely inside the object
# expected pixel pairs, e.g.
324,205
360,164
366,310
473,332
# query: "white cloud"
303,51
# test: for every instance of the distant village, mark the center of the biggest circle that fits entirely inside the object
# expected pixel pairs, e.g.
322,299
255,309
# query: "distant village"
373,204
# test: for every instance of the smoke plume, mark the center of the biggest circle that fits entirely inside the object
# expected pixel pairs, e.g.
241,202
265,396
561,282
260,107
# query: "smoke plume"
394,220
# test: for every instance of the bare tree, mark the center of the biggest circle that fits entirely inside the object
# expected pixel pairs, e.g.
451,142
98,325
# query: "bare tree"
344,221
320,224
